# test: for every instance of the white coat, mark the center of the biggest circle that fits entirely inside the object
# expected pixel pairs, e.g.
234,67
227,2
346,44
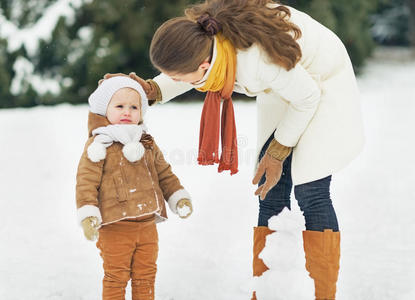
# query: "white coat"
314,107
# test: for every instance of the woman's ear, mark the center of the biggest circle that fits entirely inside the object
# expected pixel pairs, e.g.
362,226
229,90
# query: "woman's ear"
204,65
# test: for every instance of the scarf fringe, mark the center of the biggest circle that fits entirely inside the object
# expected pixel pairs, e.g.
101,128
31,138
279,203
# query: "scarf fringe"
225,167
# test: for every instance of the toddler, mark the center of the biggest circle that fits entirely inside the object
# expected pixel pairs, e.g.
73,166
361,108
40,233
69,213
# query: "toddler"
122,183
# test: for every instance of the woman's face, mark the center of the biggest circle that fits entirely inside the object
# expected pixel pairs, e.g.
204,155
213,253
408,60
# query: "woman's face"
193,77
124,107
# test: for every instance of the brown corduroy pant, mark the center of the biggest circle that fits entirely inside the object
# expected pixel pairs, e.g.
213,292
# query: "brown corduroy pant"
129,251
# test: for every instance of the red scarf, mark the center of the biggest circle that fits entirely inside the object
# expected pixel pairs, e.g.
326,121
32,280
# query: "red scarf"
209,122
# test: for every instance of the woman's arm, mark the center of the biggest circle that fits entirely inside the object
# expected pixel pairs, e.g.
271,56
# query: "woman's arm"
169,88
302,92
159,89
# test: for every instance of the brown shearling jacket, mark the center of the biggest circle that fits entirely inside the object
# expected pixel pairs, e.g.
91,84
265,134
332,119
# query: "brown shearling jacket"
121,189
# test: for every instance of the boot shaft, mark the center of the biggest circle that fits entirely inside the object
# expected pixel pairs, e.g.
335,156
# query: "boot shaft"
322,253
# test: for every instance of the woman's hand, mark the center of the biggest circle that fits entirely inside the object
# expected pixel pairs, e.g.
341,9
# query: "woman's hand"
272,168
110,75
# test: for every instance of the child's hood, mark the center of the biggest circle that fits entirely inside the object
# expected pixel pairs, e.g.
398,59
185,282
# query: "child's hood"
95,121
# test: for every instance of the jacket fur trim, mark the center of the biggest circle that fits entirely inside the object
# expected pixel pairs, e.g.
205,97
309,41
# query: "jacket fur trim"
88,211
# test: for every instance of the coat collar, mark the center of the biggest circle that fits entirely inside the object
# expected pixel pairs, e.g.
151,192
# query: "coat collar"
95,121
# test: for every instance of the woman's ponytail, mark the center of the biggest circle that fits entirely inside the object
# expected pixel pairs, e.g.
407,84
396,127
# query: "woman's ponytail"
182,44
248,22
209,24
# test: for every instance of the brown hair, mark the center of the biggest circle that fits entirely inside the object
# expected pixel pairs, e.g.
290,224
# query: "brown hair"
182,44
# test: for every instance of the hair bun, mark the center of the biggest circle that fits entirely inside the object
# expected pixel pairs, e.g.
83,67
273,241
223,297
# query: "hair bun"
209,24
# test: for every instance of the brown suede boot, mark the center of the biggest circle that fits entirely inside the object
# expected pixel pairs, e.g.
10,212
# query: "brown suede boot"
322,253
258,266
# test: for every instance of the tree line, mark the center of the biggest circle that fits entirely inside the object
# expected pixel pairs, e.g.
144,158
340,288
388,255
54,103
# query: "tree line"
114,36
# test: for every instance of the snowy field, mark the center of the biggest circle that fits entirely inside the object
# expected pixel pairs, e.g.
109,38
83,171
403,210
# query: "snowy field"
44,256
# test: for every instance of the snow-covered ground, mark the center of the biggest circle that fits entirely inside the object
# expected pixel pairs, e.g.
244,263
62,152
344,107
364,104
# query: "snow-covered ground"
43,254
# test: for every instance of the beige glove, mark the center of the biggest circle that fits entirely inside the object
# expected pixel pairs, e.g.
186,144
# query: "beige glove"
149,86
271,165
184,208
90,226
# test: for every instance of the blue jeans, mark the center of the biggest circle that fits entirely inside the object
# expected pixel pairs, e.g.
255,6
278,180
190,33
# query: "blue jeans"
313,199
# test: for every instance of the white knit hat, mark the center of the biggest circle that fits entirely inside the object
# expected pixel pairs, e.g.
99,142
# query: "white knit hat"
99,99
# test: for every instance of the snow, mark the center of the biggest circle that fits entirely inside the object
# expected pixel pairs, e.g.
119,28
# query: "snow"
284,256
44,254
183,211
30,36
24,74
94,222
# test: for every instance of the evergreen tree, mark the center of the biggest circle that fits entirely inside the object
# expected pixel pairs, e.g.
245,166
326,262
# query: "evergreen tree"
349,19
24,13
392,22
6,74
107,36
18,91
411,31
114,36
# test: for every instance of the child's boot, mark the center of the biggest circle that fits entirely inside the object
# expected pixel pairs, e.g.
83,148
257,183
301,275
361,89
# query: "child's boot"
258,266
322,253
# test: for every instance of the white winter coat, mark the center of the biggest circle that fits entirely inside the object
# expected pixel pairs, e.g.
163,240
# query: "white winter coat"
314,107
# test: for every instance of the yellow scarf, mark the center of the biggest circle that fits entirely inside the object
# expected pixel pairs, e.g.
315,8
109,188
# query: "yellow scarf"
225,64
219,85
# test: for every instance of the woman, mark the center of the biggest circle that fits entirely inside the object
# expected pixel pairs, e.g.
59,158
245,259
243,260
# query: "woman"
309,119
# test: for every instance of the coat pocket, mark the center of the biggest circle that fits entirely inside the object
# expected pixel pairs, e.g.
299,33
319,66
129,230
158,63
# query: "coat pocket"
120,187
112,190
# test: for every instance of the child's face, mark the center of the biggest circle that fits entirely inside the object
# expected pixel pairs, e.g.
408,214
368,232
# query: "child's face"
124,107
